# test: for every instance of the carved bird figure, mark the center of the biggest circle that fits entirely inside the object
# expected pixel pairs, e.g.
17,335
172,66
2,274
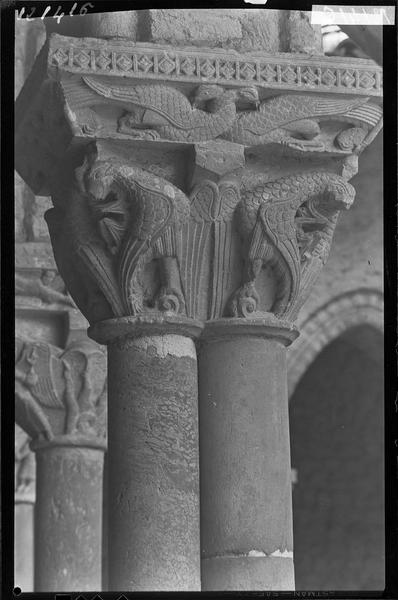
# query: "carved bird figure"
294,119
33,390
267,223
160,111
139,212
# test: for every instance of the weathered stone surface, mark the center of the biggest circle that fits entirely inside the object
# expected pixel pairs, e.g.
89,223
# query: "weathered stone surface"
34,255
260,30
218,27
121,24
43,286
214,65
255,573
20,203
25,479
61,403
68,517
245,461
39,226
29,37
25,468
302,35
219,157
153,465
340,399
61,396
23,546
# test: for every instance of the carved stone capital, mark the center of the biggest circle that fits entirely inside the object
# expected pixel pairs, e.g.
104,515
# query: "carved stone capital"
197,200
60,395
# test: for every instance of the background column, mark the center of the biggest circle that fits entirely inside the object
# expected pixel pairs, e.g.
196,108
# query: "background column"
61,404
25,475
68,519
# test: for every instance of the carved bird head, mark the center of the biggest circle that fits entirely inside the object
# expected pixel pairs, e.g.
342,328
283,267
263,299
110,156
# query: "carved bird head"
208,95
342,193
107,203
100,180
248,95
204,93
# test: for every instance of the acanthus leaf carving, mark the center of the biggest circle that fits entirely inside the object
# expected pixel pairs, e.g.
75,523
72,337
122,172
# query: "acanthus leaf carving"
60,396
206,246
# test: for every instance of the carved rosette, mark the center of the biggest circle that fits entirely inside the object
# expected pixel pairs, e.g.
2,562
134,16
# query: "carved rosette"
60,395
199,200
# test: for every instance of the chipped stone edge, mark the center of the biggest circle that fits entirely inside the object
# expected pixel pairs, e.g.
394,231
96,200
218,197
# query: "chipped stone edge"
168,345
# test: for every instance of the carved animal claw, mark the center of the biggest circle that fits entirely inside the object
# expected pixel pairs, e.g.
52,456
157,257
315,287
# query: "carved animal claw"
127,125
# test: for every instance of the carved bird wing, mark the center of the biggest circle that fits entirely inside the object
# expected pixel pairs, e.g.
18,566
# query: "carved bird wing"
281,110
28,413
167,102
247,210
151,213
279,231
368,113
36,363
96,262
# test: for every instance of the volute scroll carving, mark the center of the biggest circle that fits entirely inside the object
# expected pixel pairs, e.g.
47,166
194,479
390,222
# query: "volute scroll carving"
60,396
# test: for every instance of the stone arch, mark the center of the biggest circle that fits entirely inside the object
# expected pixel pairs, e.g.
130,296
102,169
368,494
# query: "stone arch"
360,307
336,417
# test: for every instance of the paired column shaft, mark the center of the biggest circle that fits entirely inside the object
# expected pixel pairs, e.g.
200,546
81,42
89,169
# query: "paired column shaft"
246,507
153,460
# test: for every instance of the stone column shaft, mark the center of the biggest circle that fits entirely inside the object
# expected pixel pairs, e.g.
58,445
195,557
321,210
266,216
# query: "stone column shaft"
246,508
68,519
60,403
25,475
153,461
23,545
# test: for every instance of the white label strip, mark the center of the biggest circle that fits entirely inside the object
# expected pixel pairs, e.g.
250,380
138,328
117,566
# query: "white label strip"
323,14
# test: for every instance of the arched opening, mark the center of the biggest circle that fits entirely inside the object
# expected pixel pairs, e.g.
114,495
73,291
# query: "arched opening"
337,447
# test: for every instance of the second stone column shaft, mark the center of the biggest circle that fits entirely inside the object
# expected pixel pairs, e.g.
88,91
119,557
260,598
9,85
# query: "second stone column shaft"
246,510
